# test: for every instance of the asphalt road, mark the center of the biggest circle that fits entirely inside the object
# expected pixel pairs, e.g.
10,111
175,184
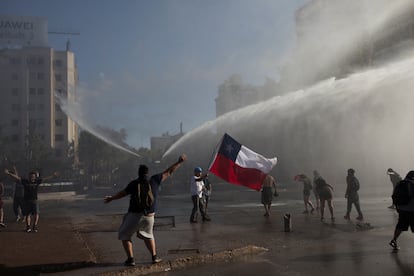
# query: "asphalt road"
77,236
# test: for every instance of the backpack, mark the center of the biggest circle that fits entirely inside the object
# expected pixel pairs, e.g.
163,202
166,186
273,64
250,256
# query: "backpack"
145,197
402,193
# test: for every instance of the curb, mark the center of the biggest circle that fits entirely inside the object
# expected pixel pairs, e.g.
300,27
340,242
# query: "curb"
187,262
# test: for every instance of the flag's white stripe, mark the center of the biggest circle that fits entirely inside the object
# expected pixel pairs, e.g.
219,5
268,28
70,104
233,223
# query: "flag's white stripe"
250,159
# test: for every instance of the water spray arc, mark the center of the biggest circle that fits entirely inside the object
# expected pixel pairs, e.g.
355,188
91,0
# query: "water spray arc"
74,111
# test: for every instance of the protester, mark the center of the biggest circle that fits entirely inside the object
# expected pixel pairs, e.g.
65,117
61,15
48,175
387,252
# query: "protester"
197,188
268,191
31,205
403,199
2,224
139,219
206,193
394,178
351,195
325,192
307,187
18,199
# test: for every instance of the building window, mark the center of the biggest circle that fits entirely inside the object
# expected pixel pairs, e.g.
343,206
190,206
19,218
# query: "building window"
40,91
15,107
40,107
15,91
32,91
58,122
15,138
40,60
15,60
40,76
59,137
15,76
32,75
41,122
31,60
14,122
58,77
57,107
58,63
32,124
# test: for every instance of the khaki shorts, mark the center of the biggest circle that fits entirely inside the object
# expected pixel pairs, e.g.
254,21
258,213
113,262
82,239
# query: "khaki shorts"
136,223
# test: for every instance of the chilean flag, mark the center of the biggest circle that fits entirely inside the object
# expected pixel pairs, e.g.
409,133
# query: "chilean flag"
239,165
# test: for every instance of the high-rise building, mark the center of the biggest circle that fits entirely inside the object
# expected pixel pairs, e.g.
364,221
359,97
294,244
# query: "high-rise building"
31,75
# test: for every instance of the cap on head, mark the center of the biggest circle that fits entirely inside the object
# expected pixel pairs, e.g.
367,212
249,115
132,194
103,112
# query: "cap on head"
198,169
351,170
390,170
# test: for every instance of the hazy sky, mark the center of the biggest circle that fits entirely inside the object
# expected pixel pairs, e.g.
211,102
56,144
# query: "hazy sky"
148,65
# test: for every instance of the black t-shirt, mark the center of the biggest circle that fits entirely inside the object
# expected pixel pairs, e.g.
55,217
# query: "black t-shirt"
132,190
30,188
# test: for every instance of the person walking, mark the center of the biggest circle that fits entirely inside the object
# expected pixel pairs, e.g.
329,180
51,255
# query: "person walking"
325,192
206,193
351,195
197,188
2,224
403,199
394,178
139,219
268,191
31,204
307,187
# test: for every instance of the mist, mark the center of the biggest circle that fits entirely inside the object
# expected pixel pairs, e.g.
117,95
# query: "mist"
339,39
75,111
361,120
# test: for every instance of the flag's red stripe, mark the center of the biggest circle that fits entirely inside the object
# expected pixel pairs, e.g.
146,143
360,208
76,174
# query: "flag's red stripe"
233,173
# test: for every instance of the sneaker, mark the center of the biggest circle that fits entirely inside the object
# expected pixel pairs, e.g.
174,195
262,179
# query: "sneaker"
206,218
360,218
391,207
2,224
156,259
129,262
28,229
394,245
18,219
35,229
347,217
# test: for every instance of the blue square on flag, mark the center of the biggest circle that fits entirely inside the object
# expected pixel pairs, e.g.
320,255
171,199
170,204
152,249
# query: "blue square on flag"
229,147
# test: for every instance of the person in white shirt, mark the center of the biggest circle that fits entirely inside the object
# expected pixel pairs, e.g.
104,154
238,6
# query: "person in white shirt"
196,188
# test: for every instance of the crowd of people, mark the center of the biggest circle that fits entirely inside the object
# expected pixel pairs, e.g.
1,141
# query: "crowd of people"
143,192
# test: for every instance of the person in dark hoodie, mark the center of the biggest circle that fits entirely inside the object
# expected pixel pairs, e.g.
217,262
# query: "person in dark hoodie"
351,194
405,208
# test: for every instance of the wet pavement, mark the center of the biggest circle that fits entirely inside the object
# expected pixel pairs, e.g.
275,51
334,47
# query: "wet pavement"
78,237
